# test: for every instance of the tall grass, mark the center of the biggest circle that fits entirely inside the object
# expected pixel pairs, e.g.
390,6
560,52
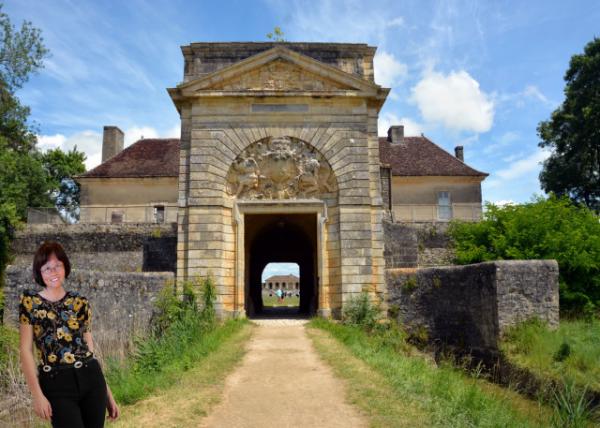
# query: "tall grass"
185,331
446,395
570,354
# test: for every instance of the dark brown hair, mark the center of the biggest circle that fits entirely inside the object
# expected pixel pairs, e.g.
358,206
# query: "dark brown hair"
42,255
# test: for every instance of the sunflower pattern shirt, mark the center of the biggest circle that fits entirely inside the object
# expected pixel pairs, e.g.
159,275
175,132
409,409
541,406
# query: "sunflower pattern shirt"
58,327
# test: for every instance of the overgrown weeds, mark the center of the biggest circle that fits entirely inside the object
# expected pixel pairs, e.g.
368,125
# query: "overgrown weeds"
445,394
572,408
183,333
570,353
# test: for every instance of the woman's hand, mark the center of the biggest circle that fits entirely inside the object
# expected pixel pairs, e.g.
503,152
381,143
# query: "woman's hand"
111,406
42,407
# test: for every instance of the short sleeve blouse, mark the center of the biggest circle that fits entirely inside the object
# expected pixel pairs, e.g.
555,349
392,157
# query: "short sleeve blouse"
58,327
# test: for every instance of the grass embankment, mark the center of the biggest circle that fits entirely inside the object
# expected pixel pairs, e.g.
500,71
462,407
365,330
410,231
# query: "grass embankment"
396,389
190,396
569,354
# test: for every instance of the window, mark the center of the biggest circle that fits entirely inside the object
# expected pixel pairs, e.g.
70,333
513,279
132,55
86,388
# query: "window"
270,285
116,217
159,214
444,206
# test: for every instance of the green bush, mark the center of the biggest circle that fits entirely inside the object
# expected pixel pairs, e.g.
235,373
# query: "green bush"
182,333
9,352
552,228
360,311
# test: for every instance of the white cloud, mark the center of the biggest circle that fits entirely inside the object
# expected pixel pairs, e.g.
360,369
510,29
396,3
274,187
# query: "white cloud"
90,142
395,22
533,91
503,202
280,269
523,166
389,72
136,133
411,128
504,140
455,101
49,142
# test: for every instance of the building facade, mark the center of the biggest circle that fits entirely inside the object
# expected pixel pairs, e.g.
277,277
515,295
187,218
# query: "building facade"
279,161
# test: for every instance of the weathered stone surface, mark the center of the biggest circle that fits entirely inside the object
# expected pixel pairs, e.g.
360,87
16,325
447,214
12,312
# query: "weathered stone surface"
122,302
471,306
102,247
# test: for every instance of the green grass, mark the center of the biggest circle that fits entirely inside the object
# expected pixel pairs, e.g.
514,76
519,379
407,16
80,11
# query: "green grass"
571,353
9,349
164,361
271,301
440,396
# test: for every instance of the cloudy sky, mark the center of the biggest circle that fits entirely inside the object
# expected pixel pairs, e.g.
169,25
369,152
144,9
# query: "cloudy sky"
481,74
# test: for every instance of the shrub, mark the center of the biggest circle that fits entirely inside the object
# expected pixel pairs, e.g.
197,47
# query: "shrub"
552,228
360,311
409,285
572,408
563,352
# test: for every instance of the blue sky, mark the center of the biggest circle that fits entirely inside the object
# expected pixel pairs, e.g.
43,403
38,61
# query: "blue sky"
482,74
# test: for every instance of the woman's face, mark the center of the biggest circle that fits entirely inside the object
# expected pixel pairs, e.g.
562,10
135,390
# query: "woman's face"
53,273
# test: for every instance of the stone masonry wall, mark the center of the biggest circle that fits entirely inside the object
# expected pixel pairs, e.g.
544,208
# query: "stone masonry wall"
472,306
103,247
122,302
411,245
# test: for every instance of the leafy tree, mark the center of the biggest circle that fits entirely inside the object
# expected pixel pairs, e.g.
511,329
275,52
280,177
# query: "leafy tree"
23,180
61,167
573,133
552,228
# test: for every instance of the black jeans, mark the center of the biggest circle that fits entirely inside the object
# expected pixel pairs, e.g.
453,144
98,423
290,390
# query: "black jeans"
77,395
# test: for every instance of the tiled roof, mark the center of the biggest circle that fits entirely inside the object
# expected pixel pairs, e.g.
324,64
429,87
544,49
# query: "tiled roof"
152,157
282,278
159,157
419,156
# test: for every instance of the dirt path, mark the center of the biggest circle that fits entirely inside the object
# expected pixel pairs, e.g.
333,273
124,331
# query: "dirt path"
281,382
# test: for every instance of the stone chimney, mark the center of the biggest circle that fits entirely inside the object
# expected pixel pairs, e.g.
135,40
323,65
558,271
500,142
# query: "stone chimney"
396,134
113,140
459,153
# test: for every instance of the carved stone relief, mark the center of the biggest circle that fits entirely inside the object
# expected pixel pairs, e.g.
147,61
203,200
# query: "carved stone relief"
278,75
280,168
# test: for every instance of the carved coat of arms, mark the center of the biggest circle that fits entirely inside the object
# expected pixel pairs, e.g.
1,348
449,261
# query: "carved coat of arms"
280,168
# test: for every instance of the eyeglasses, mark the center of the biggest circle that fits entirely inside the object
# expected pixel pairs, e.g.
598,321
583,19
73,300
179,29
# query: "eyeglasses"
47,269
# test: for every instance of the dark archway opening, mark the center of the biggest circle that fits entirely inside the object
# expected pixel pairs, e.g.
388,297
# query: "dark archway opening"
280,238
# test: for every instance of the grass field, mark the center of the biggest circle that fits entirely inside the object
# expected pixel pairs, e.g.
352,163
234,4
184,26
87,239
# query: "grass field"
271,301
399,390
571,353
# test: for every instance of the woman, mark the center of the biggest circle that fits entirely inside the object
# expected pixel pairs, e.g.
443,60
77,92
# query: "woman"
69,388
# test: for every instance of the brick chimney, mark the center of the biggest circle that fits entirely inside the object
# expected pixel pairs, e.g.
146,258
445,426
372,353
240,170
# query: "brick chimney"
396,134
113,140
459,153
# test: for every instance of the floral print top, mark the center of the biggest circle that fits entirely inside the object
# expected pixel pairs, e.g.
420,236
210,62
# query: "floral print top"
58,327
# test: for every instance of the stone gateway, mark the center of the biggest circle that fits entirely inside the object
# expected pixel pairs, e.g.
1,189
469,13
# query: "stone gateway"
279,162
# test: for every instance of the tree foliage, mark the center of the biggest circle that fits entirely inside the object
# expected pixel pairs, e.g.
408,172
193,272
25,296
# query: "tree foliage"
573,133
60,167
552,228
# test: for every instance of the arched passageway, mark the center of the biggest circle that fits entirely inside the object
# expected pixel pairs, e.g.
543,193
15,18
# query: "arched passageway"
281,238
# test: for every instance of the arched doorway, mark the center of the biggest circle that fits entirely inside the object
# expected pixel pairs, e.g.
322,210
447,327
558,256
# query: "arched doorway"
289,238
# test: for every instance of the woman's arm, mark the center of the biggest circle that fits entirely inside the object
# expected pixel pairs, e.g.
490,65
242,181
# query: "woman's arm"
41,405
113,409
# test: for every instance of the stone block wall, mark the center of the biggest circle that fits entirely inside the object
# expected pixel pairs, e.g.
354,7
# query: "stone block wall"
411,245
103,247
122,302
472,306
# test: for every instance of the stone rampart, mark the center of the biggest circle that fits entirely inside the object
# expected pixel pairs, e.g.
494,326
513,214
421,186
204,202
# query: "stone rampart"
411,245
122,302
104,247
472,306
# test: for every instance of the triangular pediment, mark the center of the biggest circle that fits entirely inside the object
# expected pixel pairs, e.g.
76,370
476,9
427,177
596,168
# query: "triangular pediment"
278,70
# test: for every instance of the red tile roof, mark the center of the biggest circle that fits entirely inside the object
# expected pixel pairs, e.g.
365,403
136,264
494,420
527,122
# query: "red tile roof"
152,157
159,157
419,156
282,278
